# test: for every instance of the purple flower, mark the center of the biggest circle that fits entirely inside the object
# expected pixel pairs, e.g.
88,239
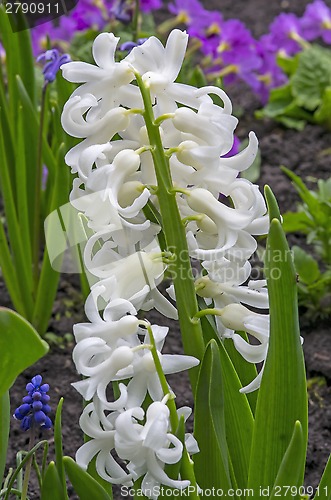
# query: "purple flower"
52,60
35,409
208,25
122,11
149,5
316,21
269,75
187,11
286,34
128,46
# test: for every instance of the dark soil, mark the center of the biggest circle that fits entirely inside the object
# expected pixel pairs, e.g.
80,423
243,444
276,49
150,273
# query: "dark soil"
300,151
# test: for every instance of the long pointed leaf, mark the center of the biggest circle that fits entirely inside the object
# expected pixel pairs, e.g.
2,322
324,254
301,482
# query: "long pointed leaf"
290,470
85,486
282,396
59,449
324,488
51,486
211,463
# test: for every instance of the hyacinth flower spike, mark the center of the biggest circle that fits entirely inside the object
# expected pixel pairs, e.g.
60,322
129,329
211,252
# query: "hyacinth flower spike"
33,415
35,409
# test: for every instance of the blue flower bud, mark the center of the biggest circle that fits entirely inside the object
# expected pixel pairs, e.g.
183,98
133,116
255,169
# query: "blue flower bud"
52,60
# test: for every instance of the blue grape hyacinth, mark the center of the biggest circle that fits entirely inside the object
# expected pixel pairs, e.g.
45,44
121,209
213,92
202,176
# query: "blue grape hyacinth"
35,408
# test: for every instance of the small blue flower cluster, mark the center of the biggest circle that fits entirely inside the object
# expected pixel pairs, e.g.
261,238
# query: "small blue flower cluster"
35,409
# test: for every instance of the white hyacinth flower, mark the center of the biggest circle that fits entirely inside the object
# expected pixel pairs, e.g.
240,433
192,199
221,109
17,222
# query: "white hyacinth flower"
101,446
148,447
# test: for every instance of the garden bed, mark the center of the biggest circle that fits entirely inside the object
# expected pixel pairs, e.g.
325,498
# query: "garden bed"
303,152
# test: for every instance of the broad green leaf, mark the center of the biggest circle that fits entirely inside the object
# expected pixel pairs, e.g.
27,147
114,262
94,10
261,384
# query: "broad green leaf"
4,431
246,371
324,488
280,98
211,463
238,418
84,485
292,122
59,449
312,77
20,347
290,470
51,486
237,407
305,265
296,222
323,113
282,398
288,64
324,188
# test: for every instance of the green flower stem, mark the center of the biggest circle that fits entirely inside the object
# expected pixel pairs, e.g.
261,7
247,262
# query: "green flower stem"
136,21
187,467
163,381
28,466
175,238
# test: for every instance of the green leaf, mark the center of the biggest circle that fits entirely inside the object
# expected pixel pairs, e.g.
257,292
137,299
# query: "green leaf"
84,485
246,373
282,396
51,486
238,418
237,406
280,98
307,197
211,463
324,188
288,64
4,431
198,78
305,265
59,449
312,77
290,470
20,347
273,208
296,222
323,113
324,488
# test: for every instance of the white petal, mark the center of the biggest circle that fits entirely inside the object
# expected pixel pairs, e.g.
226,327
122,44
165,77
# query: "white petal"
173,363
252,353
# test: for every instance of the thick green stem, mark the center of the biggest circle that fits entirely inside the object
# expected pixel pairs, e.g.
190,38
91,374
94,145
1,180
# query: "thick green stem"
175,237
